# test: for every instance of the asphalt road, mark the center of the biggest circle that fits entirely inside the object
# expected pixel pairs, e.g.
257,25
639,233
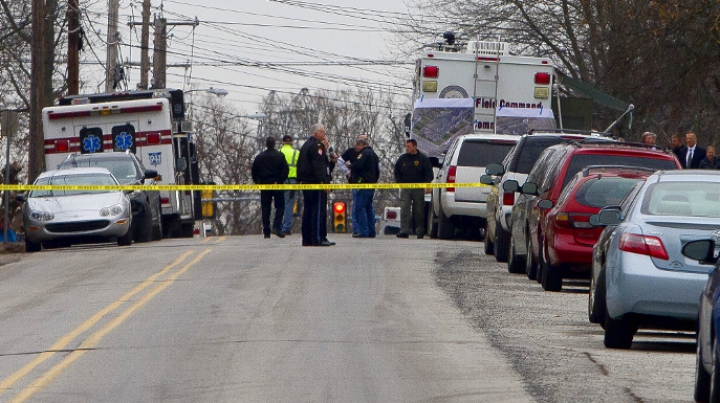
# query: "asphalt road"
242,319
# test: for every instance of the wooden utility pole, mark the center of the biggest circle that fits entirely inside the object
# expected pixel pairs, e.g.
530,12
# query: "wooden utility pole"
73,17
144,42
160,53
112,40
36,154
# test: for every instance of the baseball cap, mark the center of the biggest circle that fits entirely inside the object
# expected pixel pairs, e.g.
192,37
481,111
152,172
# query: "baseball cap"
287,138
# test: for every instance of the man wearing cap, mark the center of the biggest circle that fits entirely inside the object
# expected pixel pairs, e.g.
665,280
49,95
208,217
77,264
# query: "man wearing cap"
291,156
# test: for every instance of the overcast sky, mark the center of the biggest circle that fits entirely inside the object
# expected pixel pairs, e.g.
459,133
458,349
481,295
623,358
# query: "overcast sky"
249,47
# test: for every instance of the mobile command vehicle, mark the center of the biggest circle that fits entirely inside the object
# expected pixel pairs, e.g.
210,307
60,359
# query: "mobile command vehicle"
149,124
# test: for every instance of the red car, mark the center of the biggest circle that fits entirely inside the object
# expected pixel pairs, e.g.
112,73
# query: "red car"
569,236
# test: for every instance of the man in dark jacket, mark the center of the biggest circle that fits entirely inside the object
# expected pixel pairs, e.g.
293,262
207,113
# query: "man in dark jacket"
269,168
364,170
413,167
315,166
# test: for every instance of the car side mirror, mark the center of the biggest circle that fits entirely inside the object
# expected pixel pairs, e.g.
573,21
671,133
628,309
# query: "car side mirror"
150,174
21,198
495,169
545,204
488,180
436,162
511,185
529,188
608,216
701,250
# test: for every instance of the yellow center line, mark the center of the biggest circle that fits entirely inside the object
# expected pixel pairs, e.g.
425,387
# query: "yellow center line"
220,239
206,240
66,339
96,337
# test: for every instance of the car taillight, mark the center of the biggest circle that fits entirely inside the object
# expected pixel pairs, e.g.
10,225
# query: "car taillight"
62,146
391,215
452,172
165,200
644,245
542,78
508,198
431,71
573,220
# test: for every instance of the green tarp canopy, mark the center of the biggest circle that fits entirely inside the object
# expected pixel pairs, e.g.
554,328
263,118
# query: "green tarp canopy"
591,92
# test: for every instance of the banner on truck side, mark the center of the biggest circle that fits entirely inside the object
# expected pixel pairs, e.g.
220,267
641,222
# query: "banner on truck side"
437,121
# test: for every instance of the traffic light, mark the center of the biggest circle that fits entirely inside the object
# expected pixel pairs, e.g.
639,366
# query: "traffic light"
339,217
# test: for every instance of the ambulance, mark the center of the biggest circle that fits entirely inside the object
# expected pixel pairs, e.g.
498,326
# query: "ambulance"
147,123
478,87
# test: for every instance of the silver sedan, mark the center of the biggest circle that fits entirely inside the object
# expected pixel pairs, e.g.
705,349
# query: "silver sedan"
66,217
639,276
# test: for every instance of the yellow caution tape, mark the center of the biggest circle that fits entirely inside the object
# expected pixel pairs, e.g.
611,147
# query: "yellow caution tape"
283,186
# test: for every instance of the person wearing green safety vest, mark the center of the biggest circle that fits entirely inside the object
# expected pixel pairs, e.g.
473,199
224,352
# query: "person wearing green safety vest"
291,156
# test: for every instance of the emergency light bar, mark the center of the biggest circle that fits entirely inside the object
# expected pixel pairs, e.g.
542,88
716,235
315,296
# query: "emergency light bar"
104,111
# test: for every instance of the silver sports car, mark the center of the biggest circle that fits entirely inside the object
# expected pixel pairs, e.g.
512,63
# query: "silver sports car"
639,276
66,217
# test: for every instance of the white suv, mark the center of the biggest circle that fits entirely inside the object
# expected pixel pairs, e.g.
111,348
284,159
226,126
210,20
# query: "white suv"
465,161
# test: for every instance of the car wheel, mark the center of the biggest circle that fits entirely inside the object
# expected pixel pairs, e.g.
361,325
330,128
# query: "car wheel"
515,263
530,265
432,224
445,227
551,279
126,239
619,332
715,377
489,245
596,300
144,227
502,240
32,246
702,378
187,230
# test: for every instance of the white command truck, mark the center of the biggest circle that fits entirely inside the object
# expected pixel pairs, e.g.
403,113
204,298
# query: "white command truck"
478,87
143,122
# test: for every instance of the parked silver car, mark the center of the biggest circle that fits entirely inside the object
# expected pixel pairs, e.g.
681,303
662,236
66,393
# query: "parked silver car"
639,276
66,217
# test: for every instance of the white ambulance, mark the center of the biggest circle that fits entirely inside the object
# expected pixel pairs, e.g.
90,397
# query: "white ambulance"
143,122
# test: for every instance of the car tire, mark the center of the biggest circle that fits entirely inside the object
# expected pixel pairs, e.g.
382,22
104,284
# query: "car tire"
531,267
432,224
715,377
125,240
619,332
445,227
596,300
489,245
515,263
187,230
502,241
702,378
551,279
144,227
32,246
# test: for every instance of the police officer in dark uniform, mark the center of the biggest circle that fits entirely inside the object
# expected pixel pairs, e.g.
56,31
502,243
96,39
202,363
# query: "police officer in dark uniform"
315,166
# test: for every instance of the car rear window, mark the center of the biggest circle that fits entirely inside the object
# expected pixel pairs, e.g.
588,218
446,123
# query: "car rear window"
683,199
121,168
580,161
482,153
601,192
530,152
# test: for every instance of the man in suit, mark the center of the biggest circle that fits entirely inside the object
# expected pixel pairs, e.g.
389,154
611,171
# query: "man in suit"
691,156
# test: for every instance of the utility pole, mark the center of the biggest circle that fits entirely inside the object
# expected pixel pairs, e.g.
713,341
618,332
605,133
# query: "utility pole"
73,47
144,42
112,40
160,53
36,154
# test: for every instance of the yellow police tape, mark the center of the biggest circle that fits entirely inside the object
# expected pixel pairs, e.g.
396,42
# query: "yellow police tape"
283,186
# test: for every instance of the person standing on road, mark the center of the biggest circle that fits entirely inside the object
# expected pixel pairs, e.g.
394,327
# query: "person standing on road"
291,157
268,168
412,167
364,170
315,167
345,162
